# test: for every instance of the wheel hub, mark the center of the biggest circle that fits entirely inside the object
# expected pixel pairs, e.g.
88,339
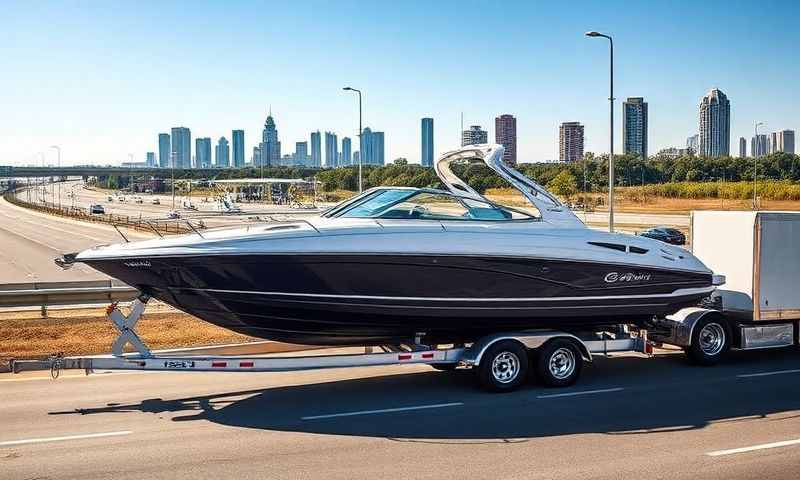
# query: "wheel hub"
562,363
505,367
712,339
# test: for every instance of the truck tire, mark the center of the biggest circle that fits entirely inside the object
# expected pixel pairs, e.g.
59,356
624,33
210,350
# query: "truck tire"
558,363
503,367
711,339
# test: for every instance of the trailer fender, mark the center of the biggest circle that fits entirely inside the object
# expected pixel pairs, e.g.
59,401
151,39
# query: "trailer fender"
681,325
530,340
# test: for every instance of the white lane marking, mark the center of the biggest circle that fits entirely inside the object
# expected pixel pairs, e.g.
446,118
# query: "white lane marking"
584,392
61,439
384,410
767,374
786,443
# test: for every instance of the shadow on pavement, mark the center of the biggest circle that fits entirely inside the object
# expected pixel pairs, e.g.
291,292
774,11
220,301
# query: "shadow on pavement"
660,394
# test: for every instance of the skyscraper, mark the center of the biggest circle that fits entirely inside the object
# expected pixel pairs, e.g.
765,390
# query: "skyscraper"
473,136
202,152
427,142
316,152
181,143
759,145
237,136
773,143
223,155
301,153
742,147
372,152
163,150
570,142
715,125
786,141
505,133
331,150
151,159
634,127
256,158
356,157
693,144
270,146
347,148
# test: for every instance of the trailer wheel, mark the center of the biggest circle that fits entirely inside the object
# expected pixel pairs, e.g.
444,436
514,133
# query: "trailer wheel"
559,363
503,367
711,339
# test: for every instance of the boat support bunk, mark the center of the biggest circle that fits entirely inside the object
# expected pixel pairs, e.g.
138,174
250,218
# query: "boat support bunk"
501,361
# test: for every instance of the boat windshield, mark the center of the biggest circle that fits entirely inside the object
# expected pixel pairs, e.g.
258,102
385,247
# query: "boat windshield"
425,205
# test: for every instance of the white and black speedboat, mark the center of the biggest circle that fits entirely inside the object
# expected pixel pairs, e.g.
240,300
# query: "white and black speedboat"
394,262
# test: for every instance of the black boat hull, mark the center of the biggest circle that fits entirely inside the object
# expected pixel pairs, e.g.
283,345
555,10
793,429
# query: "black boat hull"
387,299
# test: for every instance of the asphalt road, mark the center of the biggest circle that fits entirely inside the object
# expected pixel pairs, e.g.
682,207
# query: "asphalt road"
627,418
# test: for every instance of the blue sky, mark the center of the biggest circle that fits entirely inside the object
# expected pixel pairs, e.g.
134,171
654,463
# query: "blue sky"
102,79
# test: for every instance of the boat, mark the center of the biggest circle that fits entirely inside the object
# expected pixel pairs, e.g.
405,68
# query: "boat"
396,263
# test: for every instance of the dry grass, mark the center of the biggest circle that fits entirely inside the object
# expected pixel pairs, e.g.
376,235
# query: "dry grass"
85,332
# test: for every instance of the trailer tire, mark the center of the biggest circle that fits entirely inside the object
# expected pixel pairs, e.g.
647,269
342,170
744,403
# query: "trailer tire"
558,363
711,339
503,367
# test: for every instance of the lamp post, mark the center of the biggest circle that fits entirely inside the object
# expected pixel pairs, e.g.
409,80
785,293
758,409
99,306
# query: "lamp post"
58,149
755,163
360,143
610,130
172,168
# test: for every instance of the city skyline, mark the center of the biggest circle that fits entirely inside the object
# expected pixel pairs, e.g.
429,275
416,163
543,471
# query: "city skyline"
92,100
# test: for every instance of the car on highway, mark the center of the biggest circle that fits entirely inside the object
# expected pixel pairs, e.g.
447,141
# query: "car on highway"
97,209
156,201
139,200
669,235
110,198
173,214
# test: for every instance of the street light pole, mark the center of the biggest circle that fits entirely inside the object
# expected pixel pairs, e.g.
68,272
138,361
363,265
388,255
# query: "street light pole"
58,149
755,163
611,129
172,161
360,143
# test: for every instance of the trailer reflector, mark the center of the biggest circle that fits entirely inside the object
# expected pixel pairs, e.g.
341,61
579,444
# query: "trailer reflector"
427,355
219,364
246,364
405,356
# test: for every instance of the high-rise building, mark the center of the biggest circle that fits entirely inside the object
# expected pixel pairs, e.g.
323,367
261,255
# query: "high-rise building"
256,158
356,157
715,125
475,135
237,136
151,159
773,143
163,150
316,151
634,127
742,147
426,159
223,153
372,147
181,147
331,150
505,133
202,152
693,144
270,146
301,153
570,142
786,141
347,148
759,145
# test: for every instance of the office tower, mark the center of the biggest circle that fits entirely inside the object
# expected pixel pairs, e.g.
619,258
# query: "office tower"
270,146
693,144
742,147
237,136
356,157
151,159
372,147
331,150
786,141
202,152
570,142
505,133
163,150
181,147
347,157
256,158
634,127
715,125
316,152
473,136
759,145
301,153
223,153
426,159
773,143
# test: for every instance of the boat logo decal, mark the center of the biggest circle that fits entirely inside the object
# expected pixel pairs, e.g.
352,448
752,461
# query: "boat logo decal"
138,263
616,277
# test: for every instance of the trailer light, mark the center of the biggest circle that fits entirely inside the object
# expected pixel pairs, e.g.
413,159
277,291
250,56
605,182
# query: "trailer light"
405,356
219,364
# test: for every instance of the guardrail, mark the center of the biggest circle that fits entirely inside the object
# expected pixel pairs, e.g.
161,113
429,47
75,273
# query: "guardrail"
44,294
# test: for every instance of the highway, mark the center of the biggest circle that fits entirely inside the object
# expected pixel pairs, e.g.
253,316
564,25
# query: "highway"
628,417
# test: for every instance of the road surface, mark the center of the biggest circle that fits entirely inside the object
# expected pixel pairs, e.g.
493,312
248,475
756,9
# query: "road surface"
628,418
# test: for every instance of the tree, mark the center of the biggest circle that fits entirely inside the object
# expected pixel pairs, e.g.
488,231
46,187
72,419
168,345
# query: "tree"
563,184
